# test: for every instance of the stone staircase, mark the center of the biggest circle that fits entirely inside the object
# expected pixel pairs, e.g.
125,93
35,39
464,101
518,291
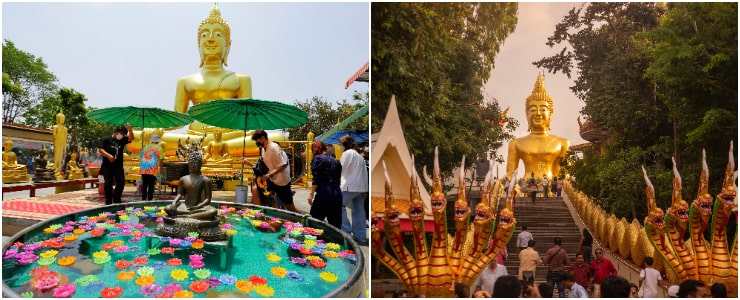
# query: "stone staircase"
546,219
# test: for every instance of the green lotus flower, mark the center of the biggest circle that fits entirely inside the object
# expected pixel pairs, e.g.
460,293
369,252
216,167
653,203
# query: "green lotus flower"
27,295
154,251
202,273
145,271
46,261
193,234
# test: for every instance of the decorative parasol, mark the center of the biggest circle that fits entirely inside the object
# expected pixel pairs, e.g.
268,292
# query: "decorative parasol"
142,117
246,114
358,135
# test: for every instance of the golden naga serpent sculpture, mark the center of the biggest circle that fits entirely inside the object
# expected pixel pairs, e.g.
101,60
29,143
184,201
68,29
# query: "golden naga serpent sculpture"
451,259
676,237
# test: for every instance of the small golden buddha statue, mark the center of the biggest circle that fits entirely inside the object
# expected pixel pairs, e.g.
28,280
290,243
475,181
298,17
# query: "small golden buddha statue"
12,170
75,172
59,132
218,150
213,81
540,151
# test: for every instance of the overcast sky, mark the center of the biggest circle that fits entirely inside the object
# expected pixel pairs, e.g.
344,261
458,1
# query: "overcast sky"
513,77
120,54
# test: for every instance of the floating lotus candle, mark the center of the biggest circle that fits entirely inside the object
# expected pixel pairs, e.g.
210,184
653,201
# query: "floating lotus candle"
172,288
227,279
183,294
125,275
295,233
331,254
66,261
168,250
193,234
49,230
101,254
328,276
293,275
122,264
230,232
78,231
305,251
86,280
197,245
139,261
213,282
296,246
185,244
145,271
298,261
309,243
175,242
202,273
49,253
145,280
120,249
264,291
289,241
150,290
26,258
97,232
195,257
65,291
196,264
257,280
153,251
333,246
47,281
158,265
174,261
279,271
113,292
244,285
38,271
179,274
46,261
199,286
272,257
190,238
318,264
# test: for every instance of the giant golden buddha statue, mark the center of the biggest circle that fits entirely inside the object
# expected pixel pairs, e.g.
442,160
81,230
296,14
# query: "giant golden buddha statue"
213,81
12,170
540,151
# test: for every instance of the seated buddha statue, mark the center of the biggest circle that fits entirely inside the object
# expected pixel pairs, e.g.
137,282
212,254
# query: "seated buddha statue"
43,172
194,214
218,151
12,170
73,167
540,151
213,81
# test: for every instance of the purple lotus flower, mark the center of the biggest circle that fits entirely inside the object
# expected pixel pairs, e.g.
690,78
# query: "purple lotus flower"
213,281
190,238
70,223
174,242
10,253
95,287
152,289
158,265
296,246
185,244
228,226
298,260
32,247
120,249
227,279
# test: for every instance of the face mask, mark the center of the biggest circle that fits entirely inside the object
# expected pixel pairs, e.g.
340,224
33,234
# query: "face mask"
259,144
342,147
119,136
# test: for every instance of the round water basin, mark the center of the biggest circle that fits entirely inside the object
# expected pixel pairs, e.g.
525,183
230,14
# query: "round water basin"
113,251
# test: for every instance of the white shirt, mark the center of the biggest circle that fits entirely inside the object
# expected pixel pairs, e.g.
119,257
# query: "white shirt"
487,279
577,291
354,173
274,157
522,240
650,278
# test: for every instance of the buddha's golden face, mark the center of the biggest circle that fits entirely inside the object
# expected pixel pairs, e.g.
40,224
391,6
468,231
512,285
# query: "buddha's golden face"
217,135
538,115
8,144
60,119
212,40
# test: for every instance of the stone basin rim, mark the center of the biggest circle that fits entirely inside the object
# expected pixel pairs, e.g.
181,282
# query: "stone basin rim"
349,288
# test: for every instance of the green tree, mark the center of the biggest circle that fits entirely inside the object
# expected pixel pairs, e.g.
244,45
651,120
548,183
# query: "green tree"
27,72
435,57
322,116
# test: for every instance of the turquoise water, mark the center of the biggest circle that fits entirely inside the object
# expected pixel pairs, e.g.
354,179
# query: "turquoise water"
247,257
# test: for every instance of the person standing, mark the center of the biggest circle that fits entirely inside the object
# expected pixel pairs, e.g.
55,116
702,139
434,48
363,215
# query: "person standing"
649,279
601,268
576,290
278,176
327,173
522,240
556,260
585,245
581,271
354,186
487,279
529,259
151,159
545,187
111,148
560,187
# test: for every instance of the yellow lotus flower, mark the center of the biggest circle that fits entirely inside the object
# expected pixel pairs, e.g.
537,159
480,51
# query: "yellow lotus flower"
126,275
179,274
49,230
333,246
183,294
144,280
100,254
272,257
49,253
197,245
244,285
279,271
331,254
265,291
117,242
312,257
230,232
310,243
69,238
66,261
328,276
78,231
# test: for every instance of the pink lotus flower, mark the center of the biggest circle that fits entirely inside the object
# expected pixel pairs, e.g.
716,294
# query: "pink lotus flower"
197,264
195,257
65,291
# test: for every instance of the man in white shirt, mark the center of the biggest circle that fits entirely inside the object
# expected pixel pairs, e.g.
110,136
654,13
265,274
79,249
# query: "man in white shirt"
522,240
354,186
576,290
488,277
649,279
278,178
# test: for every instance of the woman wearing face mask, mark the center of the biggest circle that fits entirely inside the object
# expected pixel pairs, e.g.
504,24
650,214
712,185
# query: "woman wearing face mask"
111,149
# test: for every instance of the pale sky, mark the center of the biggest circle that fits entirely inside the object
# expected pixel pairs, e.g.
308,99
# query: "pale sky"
513,76
120,54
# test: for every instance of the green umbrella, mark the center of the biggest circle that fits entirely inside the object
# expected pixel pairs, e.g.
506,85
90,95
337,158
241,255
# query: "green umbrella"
246,114
143,117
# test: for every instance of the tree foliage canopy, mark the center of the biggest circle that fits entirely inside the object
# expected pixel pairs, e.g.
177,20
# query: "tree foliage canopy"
322,116
662,80
435,57
26,82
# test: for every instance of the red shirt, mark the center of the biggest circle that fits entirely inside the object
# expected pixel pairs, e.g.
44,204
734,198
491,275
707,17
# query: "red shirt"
602,269
581,274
